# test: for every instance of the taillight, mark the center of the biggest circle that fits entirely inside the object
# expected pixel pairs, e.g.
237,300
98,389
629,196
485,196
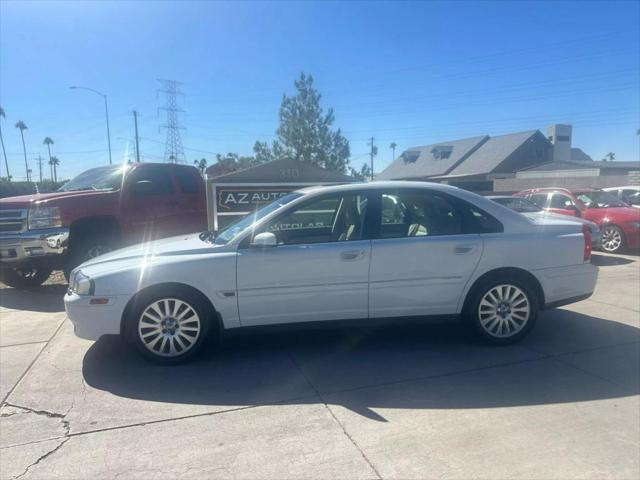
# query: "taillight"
586,233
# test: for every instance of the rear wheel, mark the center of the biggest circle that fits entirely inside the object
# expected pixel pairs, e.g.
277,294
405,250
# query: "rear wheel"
24,278
612,239
503,311
170,325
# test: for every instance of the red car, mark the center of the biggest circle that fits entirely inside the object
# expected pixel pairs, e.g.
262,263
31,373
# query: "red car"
619,223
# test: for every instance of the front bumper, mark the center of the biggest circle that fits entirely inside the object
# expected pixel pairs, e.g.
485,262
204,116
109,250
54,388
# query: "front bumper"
93,321
632,236
33,246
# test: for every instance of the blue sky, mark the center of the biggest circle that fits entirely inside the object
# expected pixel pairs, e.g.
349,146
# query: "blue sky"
413,73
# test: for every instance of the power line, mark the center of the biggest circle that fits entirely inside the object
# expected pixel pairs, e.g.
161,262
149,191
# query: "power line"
173,150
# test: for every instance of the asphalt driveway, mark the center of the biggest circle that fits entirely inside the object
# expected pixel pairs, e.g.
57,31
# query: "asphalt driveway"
406,402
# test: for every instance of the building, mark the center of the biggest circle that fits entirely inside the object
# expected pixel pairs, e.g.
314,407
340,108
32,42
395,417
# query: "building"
488,164
235,195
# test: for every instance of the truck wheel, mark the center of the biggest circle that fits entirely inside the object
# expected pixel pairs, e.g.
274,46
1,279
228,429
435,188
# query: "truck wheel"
87,248
24,278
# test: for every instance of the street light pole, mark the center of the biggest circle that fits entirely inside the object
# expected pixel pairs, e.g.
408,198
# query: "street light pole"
106,112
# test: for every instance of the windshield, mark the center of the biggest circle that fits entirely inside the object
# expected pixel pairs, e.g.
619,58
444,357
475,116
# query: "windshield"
520,205
245,222
599,199
101,178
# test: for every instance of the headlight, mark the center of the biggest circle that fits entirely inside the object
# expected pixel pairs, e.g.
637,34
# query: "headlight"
80,284
634,224
44,217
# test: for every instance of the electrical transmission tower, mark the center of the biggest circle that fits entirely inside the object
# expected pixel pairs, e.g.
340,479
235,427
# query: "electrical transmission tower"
173,150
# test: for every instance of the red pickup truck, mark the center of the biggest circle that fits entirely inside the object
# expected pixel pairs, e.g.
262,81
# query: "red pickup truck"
100,210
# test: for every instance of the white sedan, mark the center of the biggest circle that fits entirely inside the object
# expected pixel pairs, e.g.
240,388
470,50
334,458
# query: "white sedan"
366,252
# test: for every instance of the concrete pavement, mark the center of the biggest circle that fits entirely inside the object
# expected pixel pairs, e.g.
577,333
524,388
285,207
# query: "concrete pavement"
406,402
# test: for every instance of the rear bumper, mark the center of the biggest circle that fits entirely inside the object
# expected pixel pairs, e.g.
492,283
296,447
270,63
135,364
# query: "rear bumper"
93,321
33,247
564,285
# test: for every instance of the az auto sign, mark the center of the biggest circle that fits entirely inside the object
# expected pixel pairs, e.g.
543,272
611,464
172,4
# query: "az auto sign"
247,200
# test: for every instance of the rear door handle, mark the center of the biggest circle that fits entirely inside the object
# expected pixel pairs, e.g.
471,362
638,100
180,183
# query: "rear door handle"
352,255
462,249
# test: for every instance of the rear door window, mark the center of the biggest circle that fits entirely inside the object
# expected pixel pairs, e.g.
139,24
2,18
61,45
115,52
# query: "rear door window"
187,180
539,199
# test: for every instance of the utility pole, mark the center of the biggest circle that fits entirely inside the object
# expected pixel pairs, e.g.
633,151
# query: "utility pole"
135,122
372,153
40,166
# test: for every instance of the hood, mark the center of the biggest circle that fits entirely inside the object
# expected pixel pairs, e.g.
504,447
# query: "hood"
180,245
25,201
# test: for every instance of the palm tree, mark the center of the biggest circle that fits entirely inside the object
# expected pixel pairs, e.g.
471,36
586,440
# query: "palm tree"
4,152
393,150
23,126
201,164
48,142
609,157
54,162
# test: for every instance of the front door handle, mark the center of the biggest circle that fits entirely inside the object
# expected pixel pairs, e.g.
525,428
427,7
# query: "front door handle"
352,255
462,249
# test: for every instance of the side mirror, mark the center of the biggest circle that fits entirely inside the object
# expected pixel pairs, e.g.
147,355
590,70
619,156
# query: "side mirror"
264,240
142,188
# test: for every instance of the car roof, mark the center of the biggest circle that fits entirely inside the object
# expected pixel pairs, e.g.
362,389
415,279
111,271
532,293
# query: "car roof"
375,185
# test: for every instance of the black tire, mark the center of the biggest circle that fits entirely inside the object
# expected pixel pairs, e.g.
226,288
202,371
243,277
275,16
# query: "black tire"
135,328
612,240
86,248
483,325
24,278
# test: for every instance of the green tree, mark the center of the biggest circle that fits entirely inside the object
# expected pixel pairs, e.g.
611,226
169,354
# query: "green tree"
54,162
305,132
232,162
361,175
4,152
609,157
201,164
48,142
23,126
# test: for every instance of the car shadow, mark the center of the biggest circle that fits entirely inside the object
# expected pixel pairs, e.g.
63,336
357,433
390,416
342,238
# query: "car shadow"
49,298
609,260
412,366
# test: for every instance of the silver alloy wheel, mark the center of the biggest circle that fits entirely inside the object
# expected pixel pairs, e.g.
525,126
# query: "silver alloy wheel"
504,311
611,239
169,327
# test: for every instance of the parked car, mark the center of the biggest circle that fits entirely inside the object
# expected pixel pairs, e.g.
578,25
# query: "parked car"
619,223
629,194
351,252
531,210
98,211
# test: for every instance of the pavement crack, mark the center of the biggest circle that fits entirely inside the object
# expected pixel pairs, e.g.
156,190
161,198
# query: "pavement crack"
43,457
333,415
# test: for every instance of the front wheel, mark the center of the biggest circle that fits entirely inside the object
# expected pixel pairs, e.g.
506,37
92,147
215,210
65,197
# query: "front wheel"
503,311
169,326
612,239
24,278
